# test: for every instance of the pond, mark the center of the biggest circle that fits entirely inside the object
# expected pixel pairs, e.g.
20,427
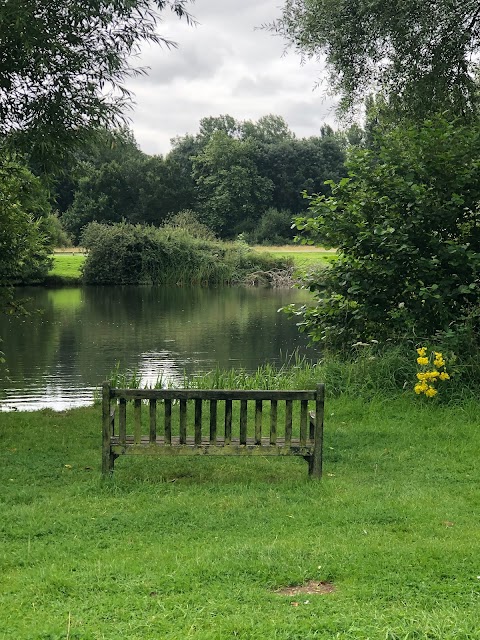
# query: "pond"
73,339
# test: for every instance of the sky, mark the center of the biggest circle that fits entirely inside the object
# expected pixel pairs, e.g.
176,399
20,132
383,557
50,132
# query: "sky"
225,64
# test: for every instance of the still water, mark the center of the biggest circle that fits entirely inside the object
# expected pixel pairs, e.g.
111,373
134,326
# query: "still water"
60,354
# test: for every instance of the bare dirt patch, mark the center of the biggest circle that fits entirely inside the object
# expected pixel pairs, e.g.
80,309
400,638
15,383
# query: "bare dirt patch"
311,588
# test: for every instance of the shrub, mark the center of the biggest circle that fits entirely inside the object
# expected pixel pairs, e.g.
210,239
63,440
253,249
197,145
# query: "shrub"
274,227
405,222
187,221
134,254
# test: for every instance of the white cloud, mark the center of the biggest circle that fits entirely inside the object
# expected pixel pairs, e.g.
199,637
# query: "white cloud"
226,64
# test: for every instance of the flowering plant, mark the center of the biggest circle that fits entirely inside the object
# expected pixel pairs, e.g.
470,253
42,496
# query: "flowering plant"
432,370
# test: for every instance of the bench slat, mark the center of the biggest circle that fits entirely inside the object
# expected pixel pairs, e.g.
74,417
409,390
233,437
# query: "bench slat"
273,422
183,421
258,421
213,421
228,421
153,420
288,422
303,421
212,394
168,421
138,420
198,421
122,427
243,421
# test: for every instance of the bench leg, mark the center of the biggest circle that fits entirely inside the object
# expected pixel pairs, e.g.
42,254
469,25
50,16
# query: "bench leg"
108,462
314,466
313,470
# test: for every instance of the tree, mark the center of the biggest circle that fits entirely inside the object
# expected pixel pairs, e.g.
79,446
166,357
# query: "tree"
64,65
136,189
420,53
269,129
25,243
232,193
406,222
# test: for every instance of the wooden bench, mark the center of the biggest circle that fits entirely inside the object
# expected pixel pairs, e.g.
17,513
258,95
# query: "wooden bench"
158,423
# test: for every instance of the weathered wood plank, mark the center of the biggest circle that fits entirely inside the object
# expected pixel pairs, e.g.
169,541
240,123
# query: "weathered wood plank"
137,417
315,468
213,394
228,421
153,420
258,421
243,421
183,421
273,422
249,448
122,416
198,421
288,422
107,458
168,421
303,421
213,422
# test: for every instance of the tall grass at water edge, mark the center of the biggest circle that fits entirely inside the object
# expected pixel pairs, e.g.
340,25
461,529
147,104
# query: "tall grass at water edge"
371,372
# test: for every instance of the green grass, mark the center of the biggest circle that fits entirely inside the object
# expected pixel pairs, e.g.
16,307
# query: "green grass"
303,257
66,268
196,548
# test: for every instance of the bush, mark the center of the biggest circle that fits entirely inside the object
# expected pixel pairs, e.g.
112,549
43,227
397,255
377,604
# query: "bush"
134,254
187,221
59,237
274,227
405,222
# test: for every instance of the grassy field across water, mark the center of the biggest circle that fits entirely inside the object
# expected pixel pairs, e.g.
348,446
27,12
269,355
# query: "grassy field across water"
302,255
68,263
67,266
199,548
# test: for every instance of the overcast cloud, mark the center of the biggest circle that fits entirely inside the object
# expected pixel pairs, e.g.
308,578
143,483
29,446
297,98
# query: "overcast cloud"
224,65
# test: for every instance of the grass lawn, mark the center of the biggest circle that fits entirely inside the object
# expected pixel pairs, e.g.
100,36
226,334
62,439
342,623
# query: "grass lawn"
67,266
302,255
197,548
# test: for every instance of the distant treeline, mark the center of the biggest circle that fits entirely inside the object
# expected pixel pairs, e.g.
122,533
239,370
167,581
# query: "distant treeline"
236,177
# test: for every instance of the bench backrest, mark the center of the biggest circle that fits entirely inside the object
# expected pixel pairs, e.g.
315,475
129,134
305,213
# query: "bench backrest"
288,409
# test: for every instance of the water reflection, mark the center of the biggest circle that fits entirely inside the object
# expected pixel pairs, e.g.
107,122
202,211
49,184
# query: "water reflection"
59,354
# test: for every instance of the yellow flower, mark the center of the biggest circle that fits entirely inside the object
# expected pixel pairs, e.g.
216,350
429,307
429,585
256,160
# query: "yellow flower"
430,392
418,388
439,362
422,360
444,376
421,376
431,375
422,351
438,355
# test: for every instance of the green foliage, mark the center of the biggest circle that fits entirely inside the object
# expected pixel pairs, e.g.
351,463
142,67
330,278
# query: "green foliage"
25,241
135,254
230,173
274,227
188,222
135,189
232,193
406,223
59,237
421,54
64,66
